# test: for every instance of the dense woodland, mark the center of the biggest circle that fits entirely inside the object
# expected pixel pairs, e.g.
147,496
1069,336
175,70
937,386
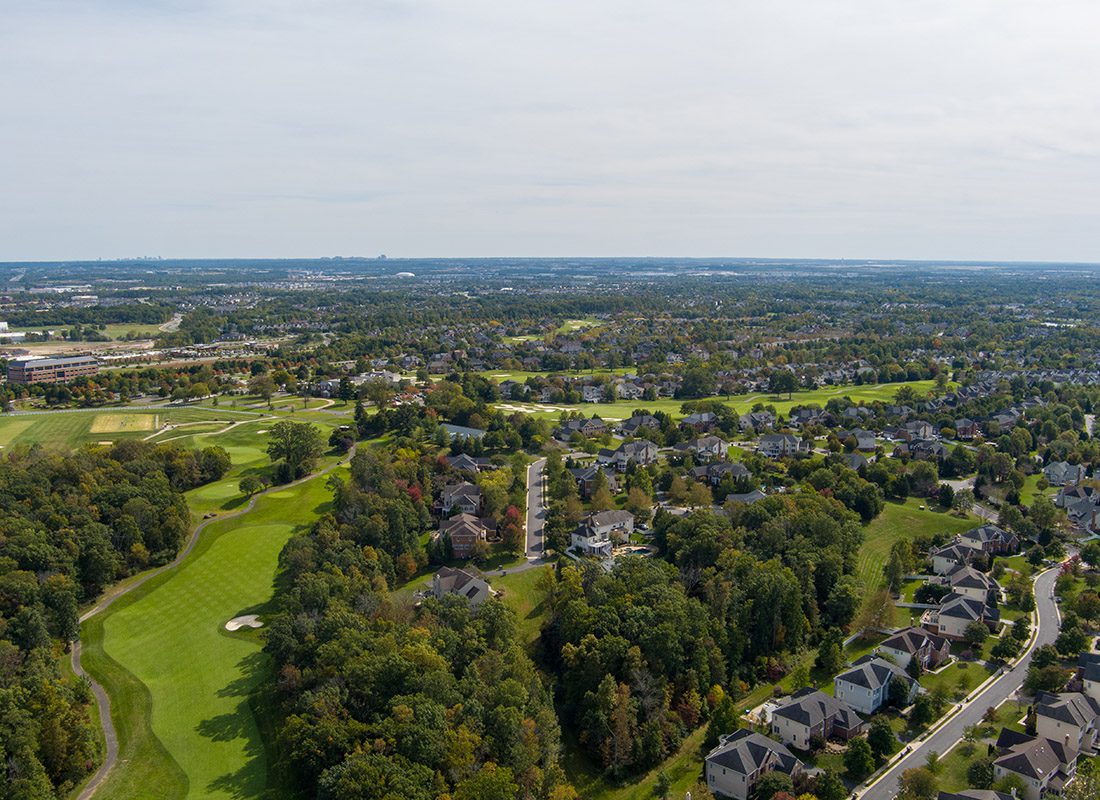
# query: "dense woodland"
69,527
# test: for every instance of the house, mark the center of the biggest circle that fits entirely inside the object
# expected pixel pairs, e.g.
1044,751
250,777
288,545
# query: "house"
976,794
462,432
465,496
1072,718
1044,765
990,539
966,429
586,480
812,713
637,423
774,445
948,557
757,421
925,450
918,429
968,582
1062,473
955,613
585,427
592,394
464,532
465,463
865,686
1089,671
593,535
865,440
700,422
458,581
803,416
626,390
853,460
641,452
707,446
908,644
734,767
746,497
714,473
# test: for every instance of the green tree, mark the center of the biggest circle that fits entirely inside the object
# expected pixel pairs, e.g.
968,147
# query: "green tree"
918,784
250,484
979,773
724,719
858,759
490,783
881,737
297,444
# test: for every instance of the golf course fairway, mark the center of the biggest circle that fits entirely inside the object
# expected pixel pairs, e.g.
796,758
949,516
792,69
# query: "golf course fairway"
179,683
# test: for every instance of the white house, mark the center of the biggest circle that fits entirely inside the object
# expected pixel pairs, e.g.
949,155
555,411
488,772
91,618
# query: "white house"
735,766
593,536
865,686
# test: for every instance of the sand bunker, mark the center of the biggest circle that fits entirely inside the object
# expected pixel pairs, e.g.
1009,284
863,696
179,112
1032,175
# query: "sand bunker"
247,621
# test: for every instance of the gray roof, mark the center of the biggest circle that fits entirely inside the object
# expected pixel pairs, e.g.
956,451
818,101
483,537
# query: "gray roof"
1072,707
872,673
745,752
811,707
1035,758
55,362
911,640
1090,666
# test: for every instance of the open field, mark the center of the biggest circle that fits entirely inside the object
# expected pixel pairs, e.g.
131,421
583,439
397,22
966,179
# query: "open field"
902,521
122,423
188,721
740,403
120,330
69,429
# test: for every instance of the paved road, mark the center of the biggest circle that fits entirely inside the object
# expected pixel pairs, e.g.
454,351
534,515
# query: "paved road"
951,733
536,509
110,736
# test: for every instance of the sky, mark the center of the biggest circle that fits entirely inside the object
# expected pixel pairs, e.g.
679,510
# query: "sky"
793,128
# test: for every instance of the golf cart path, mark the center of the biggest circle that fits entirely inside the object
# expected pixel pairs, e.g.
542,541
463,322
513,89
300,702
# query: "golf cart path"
103,701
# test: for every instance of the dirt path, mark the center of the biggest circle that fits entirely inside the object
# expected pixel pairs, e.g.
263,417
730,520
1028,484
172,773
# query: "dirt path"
103,701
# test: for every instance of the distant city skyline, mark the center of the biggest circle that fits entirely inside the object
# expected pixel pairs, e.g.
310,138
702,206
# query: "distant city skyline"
269,128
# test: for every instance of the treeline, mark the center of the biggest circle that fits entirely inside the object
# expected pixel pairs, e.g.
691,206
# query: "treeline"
70,526
380,703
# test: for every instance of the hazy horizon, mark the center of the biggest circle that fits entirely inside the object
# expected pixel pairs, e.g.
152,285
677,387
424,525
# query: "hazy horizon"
422,129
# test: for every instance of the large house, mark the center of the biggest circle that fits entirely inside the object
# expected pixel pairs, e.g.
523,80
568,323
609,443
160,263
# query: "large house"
1044,765
735,766
976,794
585,427
955,613
586,478
908,644
464,531
637,423
1062,473
951,556
711,446
465,497
968,582
966,429
462,583
641,452
1069,717
465,463
811,713
774,445
593,535
700,422
757,421
865,686
990,539
714,473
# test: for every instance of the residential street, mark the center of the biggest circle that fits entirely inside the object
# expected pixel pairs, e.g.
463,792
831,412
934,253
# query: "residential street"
536,509
950,734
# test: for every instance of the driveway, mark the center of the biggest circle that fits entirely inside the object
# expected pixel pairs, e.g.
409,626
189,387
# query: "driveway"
536,508
1000,690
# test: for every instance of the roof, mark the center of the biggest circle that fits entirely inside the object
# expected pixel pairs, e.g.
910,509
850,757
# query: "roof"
966,577
462,430
987,533
1036,758
959,607
811,707
55,362
911,640
618,517
1090,666
745,752
462,583
975,794
1072,707
872,673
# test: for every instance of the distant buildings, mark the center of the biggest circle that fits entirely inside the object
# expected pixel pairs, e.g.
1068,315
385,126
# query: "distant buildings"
52,370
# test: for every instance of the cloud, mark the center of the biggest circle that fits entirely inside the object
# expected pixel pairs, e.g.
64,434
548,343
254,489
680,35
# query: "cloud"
801,128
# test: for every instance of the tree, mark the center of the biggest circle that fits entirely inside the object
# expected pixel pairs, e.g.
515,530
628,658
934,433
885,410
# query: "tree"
881,737
663,785
724,719
830,657
639,504
1006,648
917,784
858,759
698,495
783,381
490,783
975,634
250,484
897,693
979,773
829,786
923,712
262,385
1011,784
963,501
771,783
297,444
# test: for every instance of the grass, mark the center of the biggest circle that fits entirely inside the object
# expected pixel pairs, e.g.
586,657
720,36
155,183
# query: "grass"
902,521
121,422
951,770
519,594
740,403
187,724
958,679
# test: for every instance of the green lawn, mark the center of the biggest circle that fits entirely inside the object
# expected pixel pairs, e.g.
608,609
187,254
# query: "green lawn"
958,679
180,684
519,594
740,403
902,521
